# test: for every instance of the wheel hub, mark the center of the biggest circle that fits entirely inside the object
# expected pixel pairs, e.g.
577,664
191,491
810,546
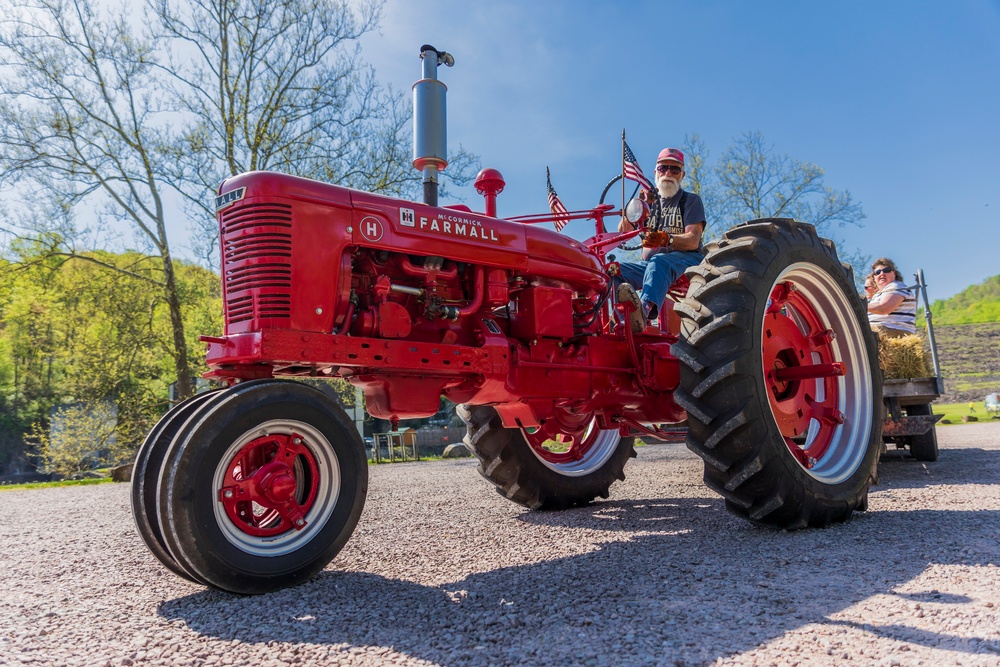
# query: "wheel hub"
279,487
562,438
799,373
270,485
571,443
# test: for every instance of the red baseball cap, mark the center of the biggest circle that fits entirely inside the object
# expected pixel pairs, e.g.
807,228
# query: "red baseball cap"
671,155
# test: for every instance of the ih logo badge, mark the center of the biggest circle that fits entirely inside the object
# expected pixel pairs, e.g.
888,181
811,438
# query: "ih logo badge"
371,229
406,217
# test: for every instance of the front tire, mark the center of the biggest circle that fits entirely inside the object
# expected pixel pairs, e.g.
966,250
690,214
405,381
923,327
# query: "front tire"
524,471
262,487
779,377
145,477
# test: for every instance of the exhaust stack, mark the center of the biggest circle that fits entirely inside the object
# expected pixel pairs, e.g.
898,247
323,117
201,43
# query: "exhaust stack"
430,140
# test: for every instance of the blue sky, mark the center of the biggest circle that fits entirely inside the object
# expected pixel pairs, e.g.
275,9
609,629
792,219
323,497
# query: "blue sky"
899,101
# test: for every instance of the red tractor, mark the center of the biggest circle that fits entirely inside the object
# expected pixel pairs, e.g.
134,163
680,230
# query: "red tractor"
258,485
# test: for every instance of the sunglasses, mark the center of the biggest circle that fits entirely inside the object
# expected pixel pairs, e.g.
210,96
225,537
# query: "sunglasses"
878,272
672,168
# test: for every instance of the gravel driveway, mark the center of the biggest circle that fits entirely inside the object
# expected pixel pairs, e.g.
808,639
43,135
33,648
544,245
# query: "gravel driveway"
443,571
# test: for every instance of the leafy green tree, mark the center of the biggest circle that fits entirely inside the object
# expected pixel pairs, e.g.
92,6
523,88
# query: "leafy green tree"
96,116
77,333
81,438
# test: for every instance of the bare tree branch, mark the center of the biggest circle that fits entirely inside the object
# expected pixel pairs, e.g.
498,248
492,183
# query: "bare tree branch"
79,116
281,85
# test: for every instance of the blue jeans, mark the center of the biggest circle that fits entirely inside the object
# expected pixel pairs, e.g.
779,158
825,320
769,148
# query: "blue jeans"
652,279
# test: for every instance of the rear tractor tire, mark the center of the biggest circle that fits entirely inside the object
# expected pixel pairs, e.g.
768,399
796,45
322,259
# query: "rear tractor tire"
545,470
779,377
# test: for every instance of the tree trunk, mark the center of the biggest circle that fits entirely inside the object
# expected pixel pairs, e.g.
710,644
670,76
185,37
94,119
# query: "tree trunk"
185,385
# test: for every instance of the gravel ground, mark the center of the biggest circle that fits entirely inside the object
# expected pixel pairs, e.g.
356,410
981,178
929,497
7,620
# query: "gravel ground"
443,571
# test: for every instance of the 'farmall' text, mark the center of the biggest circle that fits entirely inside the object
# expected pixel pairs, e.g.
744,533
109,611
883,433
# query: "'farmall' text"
472,229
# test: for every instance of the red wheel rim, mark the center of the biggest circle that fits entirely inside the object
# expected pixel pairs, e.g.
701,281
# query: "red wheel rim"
560,448
800,374
572,445
270,484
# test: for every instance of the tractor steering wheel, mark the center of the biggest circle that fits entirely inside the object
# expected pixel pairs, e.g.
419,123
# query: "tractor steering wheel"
607,188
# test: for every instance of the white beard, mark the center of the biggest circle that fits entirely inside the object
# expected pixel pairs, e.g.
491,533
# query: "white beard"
667,187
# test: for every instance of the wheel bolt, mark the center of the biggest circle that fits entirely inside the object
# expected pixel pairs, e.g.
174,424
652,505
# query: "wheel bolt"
297,441
299,522
228,493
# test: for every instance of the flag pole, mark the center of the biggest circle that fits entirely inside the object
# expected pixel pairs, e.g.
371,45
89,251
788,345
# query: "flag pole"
623,171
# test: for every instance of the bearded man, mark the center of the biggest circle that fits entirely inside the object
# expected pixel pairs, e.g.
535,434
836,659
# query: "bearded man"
681,215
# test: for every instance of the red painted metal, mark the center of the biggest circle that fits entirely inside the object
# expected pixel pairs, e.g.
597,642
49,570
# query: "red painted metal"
809,372
270,484
669,321
800,374
411,302
562,441
490,183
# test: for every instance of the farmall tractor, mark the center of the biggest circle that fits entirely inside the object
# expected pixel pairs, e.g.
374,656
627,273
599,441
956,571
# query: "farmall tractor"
764,348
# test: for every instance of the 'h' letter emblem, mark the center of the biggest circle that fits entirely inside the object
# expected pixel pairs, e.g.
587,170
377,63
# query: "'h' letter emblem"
371,228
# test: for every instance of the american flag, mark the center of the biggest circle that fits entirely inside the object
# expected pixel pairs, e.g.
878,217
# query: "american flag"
631,168
555,204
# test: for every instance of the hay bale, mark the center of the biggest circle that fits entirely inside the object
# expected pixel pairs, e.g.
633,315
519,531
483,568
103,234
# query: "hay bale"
904,357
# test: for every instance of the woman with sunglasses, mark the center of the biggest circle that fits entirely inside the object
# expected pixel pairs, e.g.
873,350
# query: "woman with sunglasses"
681,215
892,310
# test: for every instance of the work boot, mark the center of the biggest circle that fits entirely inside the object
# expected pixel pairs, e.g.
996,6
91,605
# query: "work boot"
637,318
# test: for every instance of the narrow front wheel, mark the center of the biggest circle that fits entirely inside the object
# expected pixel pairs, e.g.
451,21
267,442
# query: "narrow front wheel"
262,487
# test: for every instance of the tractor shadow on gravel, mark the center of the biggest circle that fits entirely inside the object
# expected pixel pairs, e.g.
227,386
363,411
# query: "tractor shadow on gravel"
676,581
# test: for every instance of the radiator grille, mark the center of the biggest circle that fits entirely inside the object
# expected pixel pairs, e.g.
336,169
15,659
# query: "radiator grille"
257,261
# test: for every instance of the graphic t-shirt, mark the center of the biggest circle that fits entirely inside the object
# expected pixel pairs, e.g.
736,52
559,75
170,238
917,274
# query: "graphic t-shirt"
672,215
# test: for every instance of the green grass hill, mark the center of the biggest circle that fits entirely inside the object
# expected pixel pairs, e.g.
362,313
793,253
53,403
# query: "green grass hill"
977,304
967,329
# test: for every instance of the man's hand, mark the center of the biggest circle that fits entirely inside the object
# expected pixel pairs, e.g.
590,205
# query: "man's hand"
624,226
647,196
655,239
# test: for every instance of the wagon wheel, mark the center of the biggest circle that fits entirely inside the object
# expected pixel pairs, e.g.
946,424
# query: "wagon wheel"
560,464
262,487
779,377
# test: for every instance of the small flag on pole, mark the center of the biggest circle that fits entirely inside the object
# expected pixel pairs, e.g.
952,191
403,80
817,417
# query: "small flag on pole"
631,168
555,204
